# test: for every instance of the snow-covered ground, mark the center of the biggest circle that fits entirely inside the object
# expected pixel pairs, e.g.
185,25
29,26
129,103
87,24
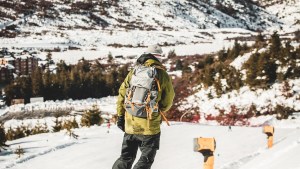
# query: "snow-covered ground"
241,148
105,104
243,99
94,44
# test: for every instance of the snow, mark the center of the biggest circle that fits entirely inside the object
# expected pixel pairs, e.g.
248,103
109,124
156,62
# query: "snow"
106,104
241,148
94,44
243,99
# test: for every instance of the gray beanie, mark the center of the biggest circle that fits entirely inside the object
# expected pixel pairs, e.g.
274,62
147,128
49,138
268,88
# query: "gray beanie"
154,49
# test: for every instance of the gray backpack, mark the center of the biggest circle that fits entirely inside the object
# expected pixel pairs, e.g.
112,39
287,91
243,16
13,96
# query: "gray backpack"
140,99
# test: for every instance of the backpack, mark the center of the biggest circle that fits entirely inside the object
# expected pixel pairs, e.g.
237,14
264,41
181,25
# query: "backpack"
141,96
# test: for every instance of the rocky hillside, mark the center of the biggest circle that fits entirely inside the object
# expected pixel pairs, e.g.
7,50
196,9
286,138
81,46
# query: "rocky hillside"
39,16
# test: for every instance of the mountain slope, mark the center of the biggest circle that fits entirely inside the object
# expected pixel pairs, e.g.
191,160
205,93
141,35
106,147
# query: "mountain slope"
140,14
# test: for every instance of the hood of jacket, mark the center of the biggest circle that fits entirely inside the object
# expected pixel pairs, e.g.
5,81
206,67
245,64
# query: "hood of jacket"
150,60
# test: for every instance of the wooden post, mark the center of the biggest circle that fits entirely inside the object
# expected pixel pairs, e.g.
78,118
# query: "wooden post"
209,163
269,130
270,141
206,146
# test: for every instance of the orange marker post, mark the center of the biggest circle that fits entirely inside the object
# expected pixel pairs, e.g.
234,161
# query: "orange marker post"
206,146
269,130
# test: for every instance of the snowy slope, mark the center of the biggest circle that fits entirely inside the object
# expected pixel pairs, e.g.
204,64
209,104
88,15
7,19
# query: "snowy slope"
243,99
142,14
287,12
243,148
130,23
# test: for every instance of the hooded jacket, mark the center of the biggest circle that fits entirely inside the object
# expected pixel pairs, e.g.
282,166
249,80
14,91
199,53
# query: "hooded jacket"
136,125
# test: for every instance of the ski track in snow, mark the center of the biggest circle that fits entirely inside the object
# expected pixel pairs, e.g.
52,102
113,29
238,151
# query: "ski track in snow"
237,164
240,162
25,159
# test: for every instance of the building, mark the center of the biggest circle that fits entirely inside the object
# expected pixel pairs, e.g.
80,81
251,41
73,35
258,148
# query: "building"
6,68
25,64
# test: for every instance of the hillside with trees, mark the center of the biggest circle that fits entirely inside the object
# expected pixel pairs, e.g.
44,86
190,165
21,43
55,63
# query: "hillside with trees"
268,62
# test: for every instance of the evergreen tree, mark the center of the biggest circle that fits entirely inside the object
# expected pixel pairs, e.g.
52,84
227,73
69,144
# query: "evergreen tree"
235,51
2,138
186,68
179,65
91,117
252,70
68,125
201,64
20,151
222,55
208,76
47,85
57,126
37,82
208,60
110,58
297,35
171,54
286,90
275,46
10,135
19,133
49,59
233,79
218,86
270,70
259,40
74,123
112,83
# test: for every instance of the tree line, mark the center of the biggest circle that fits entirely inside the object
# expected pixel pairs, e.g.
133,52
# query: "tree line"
89,118
277,62
272,60
80,81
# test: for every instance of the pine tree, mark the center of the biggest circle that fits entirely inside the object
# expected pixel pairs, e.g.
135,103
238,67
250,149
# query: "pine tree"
222,55
91,117
235,51
47,85
74,123
186,68
49,60
252,70
37,82
110,58
208,76
38,128
2,138
68,125
233,79
19,133
57,126
218,86
275,46
259,40
297,35
179,65
10,135
286,90
171,54
20,151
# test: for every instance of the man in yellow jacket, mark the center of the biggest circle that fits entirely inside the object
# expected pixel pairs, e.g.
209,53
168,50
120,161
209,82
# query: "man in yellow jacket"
143,133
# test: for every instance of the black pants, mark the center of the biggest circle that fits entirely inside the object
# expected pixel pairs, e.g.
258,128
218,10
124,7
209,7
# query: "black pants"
148,146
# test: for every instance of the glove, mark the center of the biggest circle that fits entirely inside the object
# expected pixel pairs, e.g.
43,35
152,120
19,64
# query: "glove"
121,122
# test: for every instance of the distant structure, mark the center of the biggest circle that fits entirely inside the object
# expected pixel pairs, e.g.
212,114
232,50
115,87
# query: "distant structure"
6,68
25,64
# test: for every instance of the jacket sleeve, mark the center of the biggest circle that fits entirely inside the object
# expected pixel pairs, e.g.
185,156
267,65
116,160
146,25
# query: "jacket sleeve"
122,93
168,93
